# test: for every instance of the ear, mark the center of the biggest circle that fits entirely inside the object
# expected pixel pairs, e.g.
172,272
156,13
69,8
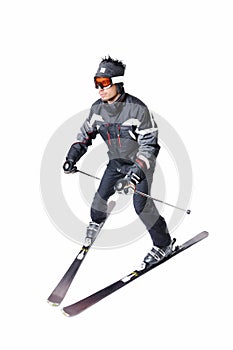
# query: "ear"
119,87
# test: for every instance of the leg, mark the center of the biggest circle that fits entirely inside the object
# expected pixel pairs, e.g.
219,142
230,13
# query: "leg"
105,190
150,216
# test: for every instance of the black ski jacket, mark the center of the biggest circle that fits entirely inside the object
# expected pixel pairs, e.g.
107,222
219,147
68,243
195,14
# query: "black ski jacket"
127,127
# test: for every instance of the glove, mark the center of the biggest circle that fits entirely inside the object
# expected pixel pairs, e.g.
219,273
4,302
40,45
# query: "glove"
125,186
135,175
136,172
69,167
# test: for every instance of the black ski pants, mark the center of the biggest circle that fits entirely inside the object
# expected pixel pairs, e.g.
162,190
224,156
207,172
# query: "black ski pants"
144,207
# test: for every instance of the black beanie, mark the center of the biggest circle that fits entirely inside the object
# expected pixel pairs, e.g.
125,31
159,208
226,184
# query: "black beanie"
110,69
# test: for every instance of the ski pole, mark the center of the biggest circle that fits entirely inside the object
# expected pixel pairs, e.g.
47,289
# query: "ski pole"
82,172
188,211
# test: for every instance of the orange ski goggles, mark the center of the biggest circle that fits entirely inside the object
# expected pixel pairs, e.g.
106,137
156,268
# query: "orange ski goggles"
106,82
103,82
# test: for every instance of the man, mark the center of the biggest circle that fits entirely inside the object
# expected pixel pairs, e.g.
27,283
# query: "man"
131,134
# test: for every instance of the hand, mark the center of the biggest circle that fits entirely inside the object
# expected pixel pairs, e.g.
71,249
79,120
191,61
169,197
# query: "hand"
136,172
125,186
69,167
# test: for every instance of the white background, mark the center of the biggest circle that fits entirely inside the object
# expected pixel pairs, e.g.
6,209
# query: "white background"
179,61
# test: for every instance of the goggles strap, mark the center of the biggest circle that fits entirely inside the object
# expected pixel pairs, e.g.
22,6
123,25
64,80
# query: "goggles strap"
119,79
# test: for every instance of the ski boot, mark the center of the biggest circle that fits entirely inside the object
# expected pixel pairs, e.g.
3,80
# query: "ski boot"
92,232
157,254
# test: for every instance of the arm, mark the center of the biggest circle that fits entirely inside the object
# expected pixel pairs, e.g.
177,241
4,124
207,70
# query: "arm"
148,145
87,133
147,139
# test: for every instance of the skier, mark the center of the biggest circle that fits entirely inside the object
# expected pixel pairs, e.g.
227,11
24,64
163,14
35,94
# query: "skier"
131,134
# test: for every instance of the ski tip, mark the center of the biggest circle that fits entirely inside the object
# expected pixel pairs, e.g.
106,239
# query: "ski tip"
65,313
206,233
52,303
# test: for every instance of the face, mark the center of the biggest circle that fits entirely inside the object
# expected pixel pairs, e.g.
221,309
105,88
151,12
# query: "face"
109,95
108,91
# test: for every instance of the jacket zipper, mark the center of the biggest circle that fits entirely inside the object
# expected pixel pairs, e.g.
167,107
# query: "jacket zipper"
119,134
108,135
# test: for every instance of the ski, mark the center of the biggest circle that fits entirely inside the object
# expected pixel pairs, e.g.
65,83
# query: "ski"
61,289
83,304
